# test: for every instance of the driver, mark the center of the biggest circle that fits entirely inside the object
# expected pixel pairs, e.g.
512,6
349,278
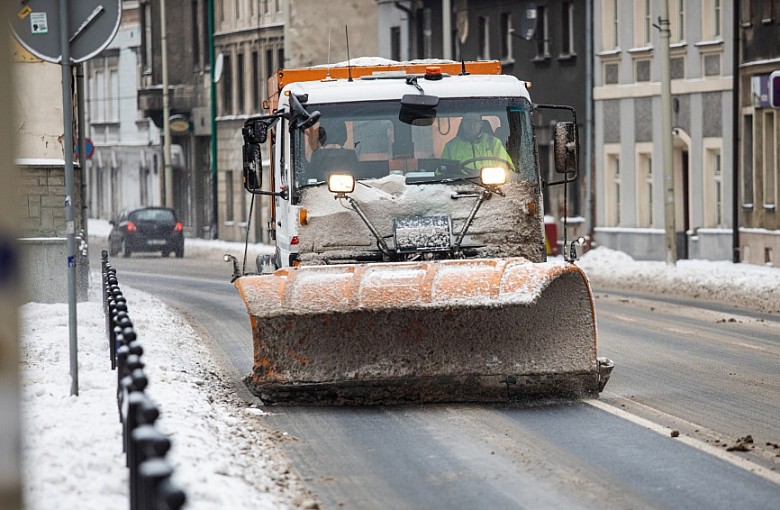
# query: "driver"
471,142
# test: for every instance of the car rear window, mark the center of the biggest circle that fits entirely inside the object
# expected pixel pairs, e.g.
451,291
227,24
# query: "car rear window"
158,215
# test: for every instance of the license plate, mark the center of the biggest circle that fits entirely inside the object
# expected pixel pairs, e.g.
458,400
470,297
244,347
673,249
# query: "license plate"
156,242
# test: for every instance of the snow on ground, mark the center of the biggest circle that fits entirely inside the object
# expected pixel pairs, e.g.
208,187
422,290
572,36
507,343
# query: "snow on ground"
222,455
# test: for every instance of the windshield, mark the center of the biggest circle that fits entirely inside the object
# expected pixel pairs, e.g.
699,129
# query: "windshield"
454,141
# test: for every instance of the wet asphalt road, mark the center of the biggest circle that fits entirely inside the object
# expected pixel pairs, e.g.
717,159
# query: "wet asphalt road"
711,373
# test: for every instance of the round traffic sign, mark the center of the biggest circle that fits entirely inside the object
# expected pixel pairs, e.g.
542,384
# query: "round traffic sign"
92,25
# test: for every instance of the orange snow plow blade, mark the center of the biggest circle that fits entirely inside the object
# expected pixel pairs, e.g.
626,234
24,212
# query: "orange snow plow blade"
446,331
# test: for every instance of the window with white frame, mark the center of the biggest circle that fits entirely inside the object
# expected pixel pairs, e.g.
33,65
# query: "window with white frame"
613,182
770,160
542,33
506,37
747,161
714,205
644,184
567,29
484,37
643,23
677,19
610,24
711,19
104,88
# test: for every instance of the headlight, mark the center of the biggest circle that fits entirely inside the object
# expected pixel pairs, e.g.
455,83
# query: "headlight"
493,176
340,183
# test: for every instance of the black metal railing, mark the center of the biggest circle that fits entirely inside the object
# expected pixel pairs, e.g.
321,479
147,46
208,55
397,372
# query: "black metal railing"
145,447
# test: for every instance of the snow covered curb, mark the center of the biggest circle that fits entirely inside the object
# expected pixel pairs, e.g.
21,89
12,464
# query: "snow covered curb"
742,285
222,454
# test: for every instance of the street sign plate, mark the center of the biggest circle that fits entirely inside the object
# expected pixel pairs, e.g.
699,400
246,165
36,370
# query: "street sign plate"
92,25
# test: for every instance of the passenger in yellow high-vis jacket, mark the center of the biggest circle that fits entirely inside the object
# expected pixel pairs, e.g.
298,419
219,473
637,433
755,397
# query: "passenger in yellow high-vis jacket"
471,142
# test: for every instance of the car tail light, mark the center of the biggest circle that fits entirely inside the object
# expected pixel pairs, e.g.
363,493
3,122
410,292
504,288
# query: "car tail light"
131,226
178,227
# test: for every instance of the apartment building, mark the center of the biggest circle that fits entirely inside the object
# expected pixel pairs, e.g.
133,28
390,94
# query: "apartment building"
629,191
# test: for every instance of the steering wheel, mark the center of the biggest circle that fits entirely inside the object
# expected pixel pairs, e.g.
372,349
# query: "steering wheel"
468,171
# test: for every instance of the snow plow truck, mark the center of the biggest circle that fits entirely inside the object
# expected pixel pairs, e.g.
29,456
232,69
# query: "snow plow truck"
410,261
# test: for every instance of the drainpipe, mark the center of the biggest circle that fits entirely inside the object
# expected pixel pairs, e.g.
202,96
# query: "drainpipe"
589,172
735,105
166,109
214,233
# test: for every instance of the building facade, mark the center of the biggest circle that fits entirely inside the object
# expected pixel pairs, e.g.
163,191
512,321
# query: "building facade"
548,46
629,194
125,167
759,137
188,69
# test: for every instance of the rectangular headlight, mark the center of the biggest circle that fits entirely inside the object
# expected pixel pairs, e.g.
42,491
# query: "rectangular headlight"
341,183
493,175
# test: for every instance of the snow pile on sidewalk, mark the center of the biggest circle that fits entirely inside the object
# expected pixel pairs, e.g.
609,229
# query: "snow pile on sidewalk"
72,446
745,286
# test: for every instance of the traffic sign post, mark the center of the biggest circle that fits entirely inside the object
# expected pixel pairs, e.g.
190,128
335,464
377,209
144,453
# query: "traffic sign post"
67,32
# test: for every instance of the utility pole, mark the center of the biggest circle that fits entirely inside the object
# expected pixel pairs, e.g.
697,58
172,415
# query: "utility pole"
666,135
446,29
168,174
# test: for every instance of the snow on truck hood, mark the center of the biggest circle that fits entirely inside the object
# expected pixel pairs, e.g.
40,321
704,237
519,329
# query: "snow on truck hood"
372,89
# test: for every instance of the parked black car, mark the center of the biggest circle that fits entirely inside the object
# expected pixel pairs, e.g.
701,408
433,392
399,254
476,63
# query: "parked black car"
146,229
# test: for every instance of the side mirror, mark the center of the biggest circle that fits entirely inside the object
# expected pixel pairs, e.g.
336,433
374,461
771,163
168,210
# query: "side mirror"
300,118
418,109
565,148
255,133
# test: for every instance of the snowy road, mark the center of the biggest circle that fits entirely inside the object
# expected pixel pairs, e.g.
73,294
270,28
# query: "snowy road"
695,371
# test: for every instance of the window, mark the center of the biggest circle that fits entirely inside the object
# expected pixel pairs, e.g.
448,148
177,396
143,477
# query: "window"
240,80
613,183
677,16
506,36
567,29
767,12
713,185
484,38
711,19
99,96
255,90
746,13
280,57
269,63
230,196
427,34
112,103
610,30
227,86
747,161
643,24
770,160
644,182
195,34
395,43
147,42
542,34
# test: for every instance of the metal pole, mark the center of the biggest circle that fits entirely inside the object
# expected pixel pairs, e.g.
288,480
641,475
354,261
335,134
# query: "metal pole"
666,135
70,228
736,107
213,105
166,109
446,29
589,177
